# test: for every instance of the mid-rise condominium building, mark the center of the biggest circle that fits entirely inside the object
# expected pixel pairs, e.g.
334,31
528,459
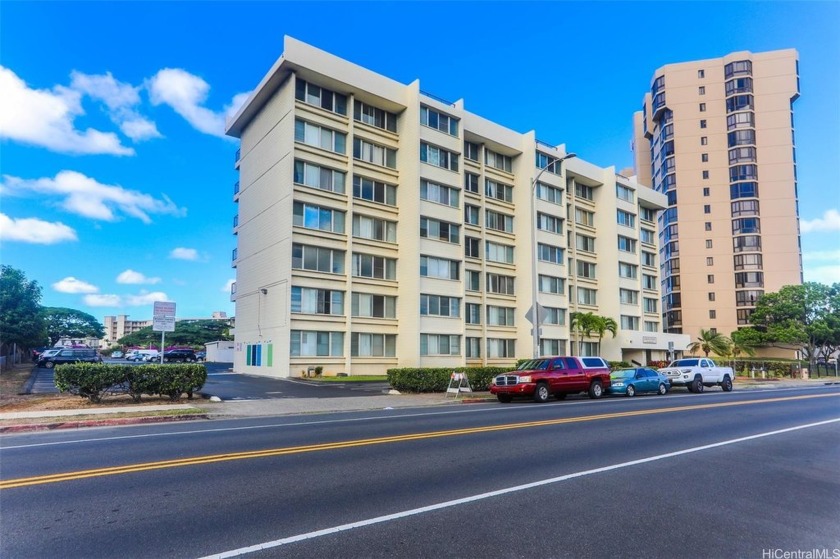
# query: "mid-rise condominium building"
379,226
717,138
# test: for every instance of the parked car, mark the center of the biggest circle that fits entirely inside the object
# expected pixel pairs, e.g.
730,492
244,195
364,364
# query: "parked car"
117,355
36,353
182,355
143,355
201,355
697,373
70,355
540,378
641,379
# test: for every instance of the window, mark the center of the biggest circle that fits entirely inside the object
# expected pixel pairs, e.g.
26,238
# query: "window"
711,295
650,305
584,243
367,114
316,176
701,73
471,151
747,243
373,306
317,301
746,225
585,192
500,316
549,223
373,153
373,345
472,280
749,279
499,191
701,90
626,270
648,237
702,124
471,214
440,194
705,174
708,225
471,182
550,194
710,278
584,217
378,267
625,218
438,268
317,259
306,343
624,193
585,269
440,344
707,208
651,326
629,322
373,228
648,259
741,155
551,284
318,217
744,208
702,107
712,313
440,305
472,247
626,244
554,316
647,214
498,221
737,68
704,140
440,230
473,347
374,191
497,160
740,138
501,347
706,191
744,316
552,347
472,313
586,296
319,137
704,157
434,119
743,190
628,296
748,261
740,120
495,252
747,298
549,163
498,283
549,253
649,282
317,96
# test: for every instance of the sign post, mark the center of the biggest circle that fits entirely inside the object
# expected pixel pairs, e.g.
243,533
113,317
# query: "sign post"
163,320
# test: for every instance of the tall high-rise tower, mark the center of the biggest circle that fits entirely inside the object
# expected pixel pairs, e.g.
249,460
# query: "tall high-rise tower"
717,137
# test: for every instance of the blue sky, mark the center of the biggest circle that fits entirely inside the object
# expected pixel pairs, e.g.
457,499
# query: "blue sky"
117,180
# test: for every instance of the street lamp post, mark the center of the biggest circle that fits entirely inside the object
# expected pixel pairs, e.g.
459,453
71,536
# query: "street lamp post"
536,315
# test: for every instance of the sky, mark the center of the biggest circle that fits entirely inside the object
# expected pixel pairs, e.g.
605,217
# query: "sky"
116,178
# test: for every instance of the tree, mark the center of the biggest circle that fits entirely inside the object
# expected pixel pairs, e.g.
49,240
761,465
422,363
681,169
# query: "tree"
604,324
587,323
741,344
187,333
21,323
71,323
804,317
711,342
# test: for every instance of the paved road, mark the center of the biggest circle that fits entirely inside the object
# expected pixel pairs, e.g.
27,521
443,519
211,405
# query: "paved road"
710,475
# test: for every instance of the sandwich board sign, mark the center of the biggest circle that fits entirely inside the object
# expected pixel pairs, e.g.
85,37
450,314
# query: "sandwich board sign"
458,382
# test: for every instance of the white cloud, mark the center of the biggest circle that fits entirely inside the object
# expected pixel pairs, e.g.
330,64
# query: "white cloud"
45,118
120,98
132,277
33,230
226,287
101,300
186,94
145,298
184,254
823,274
86,197
73,285
830,221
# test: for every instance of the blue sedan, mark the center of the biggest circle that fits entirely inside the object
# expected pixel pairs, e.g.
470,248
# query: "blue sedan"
632,381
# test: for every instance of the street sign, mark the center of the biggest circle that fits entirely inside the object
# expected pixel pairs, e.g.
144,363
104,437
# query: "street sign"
164,308
163,324
542,314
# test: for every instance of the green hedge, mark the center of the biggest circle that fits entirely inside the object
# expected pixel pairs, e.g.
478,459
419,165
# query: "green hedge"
431,379
95,380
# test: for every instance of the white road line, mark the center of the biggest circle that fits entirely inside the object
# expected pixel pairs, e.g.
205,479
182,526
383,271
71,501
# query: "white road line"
491,494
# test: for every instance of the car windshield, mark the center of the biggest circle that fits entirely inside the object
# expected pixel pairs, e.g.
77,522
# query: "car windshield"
623,373
685,363
533,364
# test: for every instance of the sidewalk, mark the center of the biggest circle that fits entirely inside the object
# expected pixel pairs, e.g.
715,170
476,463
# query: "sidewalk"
207,409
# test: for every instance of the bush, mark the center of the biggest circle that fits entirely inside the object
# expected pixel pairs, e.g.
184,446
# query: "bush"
618,365
436,379
93,380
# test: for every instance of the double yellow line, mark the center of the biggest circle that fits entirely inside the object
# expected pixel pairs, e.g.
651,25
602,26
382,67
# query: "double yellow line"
209,459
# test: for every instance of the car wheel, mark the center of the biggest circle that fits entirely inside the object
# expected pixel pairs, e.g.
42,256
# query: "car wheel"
541,394
662,389
631,391
726,384
504,398
596,390
697,385
49,364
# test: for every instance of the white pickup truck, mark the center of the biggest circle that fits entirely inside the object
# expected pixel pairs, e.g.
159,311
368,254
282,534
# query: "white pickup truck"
696,373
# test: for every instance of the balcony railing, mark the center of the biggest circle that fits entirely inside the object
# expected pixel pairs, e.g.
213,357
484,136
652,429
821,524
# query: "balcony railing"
236,188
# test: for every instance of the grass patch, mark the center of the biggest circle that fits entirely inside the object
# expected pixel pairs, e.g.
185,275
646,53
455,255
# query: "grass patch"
355,378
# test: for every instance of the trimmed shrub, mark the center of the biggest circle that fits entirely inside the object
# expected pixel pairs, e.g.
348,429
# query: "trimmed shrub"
618,365
436,379
88,380
94,380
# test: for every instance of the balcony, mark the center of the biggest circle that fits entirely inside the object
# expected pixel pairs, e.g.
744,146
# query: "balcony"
236,160
236,190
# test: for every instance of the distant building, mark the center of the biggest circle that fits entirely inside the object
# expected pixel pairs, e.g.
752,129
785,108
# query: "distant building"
117,327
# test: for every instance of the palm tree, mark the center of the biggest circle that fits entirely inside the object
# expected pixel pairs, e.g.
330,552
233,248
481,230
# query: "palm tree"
710,341
583,324
604,324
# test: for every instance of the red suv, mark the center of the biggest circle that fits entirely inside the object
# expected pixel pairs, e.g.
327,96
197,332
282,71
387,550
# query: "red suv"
540,378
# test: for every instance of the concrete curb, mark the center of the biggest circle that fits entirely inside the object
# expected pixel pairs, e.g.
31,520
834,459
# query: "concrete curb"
29,427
